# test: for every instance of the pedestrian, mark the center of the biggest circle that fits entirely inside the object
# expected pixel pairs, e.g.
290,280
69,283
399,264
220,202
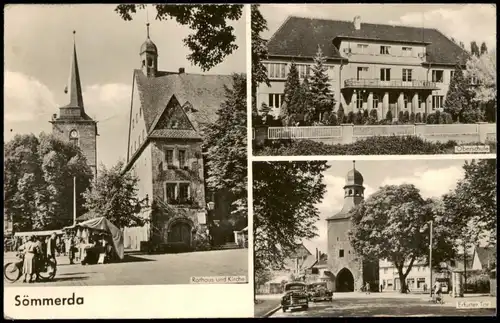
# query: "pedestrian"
381,288
437,291
71,250
367,288
52,247
425,288
31,249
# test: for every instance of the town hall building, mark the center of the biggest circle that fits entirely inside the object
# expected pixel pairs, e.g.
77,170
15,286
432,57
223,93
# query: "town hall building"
377,67
347,271
168,112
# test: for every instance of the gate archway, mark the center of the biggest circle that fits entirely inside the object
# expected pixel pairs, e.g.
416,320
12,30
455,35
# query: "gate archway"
344,282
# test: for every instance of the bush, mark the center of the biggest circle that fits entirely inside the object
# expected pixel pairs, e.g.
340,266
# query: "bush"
365,115
437,117
359,120
431,118
350,117
478,283
424,117
202,242
406,116
447,118
374,114
377,145
332,120
412,117
418,117
340,114
401,116
388,116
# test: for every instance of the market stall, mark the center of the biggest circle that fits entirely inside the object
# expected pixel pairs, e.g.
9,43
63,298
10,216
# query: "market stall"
97,237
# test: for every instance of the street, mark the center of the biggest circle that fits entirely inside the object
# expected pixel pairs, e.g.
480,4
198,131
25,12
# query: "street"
148,269
388,304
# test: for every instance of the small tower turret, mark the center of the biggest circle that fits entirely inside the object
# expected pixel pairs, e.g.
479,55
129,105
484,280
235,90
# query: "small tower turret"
149,56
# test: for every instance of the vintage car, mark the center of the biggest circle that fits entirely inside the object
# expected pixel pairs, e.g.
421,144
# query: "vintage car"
319,292
295,296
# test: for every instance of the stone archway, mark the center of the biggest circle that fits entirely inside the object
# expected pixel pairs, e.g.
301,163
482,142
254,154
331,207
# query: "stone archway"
344,281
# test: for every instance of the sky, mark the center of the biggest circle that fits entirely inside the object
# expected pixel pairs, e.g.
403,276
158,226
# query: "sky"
38,46
464,22
432,177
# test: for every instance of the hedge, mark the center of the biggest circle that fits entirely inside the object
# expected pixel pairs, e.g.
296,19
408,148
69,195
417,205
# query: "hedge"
376,145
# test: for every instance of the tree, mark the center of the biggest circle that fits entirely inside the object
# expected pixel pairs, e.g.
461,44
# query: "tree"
473,202
389,225
39,182
458,99
484,49
114,196
262,277
321,94
484,70
213,38
289,214
259,52
292,84
226,145
474,49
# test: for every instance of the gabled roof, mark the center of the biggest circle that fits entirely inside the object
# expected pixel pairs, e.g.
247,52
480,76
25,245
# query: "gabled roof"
205,93
300,37
485,254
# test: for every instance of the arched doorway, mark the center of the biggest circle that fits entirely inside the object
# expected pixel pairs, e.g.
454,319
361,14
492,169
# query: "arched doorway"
344,281
180,232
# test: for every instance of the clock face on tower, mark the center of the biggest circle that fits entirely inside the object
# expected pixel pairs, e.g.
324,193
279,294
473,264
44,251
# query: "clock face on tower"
73,134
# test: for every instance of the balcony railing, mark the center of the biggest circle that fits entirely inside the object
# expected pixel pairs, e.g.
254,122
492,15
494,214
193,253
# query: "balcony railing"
392,84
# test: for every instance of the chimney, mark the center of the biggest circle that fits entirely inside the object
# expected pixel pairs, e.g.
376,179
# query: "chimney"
357,22
182,70
54,116
317,254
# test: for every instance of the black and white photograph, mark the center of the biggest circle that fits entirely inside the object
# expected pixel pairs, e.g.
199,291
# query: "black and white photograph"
373,79
125,145
375,238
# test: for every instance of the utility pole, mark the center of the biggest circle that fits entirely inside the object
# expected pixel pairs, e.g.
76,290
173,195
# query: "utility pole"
74,200
465,266
430,254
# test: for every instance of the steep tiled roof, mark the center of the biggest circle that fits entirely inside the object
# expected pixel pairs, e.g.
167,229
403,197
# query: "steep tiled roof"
485,254
174,134
344,213
300,37
205,93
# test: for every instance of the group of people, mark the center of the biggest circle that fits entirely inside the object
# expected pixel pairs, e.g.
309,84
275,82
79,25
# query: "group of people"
37,251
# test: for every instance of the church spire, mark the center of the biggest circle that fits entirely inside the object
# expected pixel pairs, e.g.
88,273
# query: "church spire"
74,86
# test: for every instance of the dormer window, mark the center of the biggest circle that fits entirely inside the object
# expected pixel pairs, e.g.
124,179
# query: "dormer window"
362,48
407,51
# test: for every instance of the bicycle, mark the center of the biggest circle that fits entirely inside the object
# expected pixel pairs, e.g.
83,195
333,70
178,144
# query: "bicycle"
46,270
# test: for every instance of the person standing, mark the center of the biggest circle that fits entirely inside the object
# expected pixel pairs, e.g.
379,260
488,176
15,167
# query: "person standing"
31,249
52,247
71,249
367,288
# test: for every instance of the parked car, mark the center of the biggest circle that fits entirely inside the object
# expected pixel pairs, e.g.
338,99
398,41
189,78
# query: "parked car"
295,296
319,292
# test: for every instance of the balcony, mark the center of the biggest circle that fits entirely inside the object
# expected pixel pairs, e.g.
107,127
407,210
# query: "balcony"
392,84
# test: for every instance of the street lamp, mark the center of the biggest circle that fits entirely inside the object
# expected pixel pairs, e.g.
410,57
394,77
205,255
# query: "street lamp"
430,252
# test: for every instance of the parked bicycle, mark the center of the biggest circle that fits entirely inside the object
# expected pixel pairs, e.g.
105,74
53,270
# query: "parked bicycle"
46,269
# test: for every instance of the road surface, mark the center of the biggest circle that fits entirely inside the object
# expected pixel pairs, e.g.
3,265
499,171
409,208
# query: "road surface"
374,305
148,269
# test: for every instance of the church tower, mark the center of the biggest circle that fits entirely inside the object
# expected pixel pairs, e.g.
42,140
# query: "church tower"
347,271
73,124
149,56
